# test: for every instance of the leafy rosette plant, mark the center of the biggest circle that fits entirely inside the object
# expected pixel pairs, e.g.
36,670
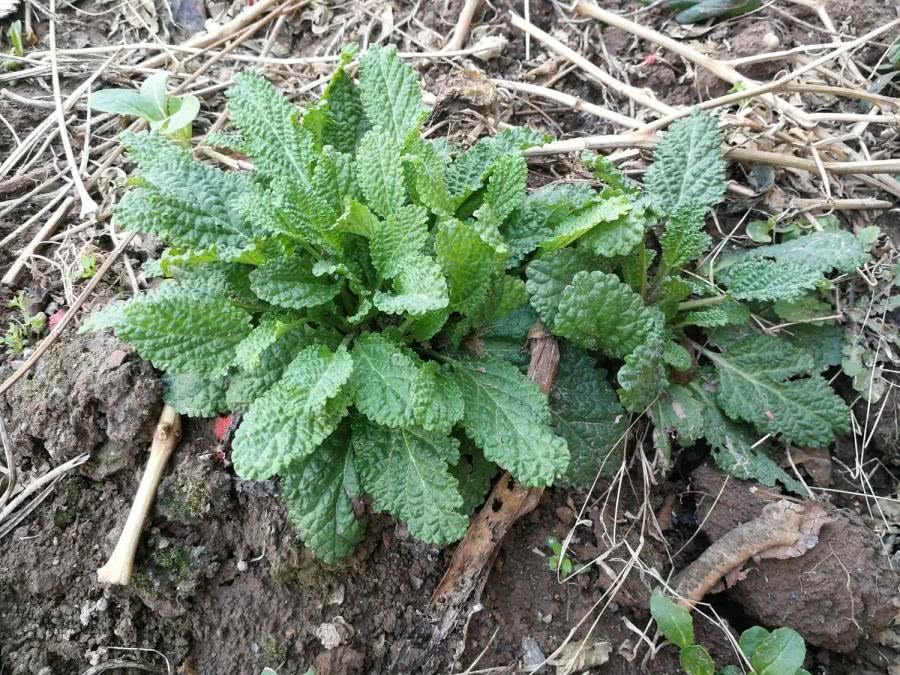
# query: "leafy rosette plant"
360,297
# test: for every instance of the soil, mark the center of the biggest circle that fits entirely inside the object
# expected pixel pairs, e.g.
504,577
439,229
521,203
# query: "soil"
222,586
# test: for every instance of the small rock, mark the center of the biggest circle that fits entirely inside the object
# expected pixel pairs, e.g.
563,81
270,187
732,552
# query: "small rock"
532,655
335,632
548,619
241,565
564,515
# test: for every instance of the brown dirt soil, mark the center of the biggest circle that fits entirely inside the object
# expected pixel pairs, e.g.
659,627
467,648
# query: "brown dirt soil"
842,591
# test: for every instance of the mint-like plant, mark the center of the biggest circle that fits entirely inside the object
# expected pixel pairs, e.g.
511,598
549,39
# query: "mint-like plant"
360,297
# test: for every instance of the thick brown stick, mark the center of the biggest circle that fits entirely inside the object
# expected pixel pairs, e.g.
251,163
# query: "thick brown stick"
783,530
508,501
168,430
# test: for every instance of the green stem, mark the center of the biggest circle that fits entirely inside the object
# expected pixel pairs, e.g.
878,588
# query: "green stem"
701,302
407,322
642,261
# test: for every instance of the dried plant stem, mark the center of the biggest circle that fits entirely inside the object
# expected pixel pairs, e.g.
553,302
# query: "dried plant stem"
463,25
783,530
118,568
596,73
569,101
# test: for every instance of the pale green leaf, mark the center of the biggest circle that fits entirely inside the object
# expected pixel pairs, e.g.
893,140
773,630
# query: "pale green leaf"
390,93
550,274
419,288
379,172
781,653
195,394
289,282
673,621
398,240
469,263
385,375
606,213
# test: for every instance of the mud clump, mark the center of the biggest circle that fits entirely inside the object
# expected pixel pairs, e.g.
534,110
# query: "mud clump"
835,595
90,394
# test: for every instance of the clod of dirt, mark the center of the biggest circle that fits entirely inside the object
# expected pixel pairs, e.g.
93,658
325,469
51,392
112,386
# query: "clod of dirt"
751,39
90,394
835,594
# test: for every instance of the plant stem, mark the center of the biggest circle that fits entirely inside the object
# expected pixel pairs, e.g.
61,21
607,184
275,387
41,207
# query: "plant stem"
407,322
701,302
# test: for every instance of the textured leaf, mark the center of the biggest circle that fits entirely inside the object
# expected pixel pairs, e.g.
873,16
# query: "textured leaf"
673,621
598,311
677,356
384,378
753,386
380,172
406,471
762,279
751,639
549,275
195,394
690,412
469,263
605,213
728,313
430,179
438,400
688,169
418,289
505,189
290,420
390,93
184,331
587,414
251,349
684,238
823,251
269,125
319,490
398,240
188,204
619,236
643,375
289,282
345,122
508,418
474,474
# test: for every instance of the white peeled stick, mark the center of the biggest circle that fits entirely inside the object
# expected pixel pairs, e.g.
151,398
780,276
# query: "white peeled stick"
118,568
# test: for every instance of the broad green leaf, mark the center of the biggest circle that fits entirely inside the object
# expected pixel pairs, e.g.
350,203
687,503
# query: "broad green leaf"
754,387
469,263
249,353
319,490
695,660
684,238
390,93
508,418
598,311
763,279
430,179
688,169
474,474
643,375
183,110
358,219
277,143
419,288
805,308
673,621
506,337
289,282
505,188
407,473
727,313
782,652
437,398
549,275
620,236
677,356
292,418
124,102
195,394
153,90
605,212
379,172
751,639
343,104
183,331
384,378
398,240
587,414
822,251
188,204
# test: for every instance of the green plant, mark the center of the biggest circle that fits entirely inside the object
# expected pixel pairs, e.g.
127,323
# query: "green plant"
694,11
17,46
169,115
359,296
20,330
691,358
87,266
780,652
558,562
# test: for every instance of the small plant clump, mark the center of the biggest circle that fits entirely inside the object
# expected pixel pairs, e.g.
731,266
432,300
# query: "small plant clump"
779,652
24,328
363,297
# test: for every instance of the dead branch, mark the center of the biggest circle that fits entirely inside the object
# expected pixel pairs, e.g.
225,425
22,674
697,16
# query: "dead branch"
508,501
168,431
784,529
463,25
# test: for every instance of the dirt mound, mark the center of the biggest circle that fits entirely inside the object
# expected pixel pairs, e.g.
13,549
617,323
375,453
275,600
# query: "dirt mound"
836,594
